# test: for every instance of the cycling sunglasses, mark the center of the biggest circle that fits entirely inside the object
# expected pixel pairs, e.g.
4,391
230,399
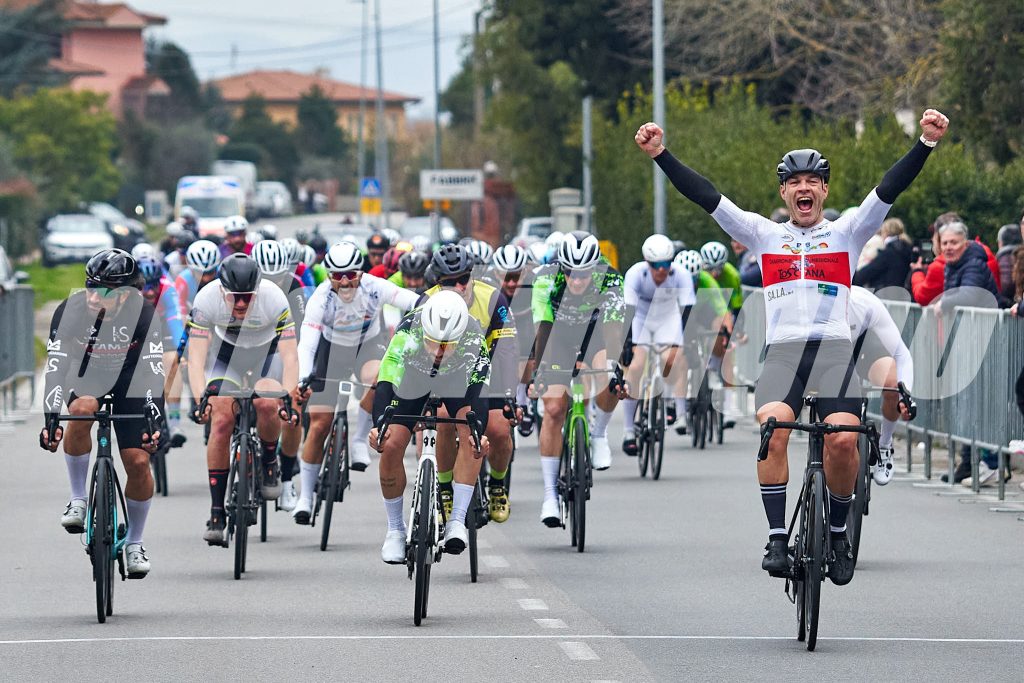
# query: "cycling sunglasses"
456,280
578,274
660,265
102,290
241,297
346,276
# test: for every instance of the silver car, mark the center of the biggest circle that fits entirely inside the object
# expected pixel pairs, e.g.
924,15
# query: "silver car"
74,237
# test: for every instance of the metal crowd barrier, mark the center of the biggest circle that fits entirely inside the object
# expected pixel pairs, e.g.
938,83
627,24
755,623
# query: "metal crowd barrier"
17,353
966,365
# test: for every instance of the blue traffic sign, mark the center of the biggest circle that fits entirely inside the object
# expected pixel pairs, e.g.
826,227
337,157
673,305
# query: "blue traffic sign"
369,187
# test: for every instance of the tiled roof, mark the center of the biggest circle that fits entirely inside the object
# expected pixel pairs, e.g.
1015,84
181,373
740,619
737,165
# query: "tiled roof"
288,86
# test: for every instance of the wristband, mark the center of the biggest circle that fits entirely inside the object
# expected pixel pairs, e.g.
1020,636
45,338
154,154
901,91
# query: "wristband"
927,142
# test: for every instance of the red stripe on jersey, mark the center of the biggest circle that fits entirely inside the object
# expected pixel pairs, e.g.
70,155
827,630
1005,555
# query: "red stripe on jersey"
833,268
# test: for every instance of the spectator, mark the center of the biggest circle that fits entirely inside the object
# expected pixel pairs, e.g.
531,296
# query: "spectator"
927,279
967,270
892,264
750,271
1008,240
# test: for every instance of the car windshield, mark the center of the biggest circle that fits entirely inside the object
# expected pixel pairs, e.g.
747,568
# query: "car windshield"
214,207
106,212
76,224
540,230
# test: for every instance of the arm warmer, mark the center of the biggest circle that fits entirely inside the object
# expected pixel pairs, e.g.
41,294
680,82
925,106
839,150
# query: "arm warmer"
898,178
691,184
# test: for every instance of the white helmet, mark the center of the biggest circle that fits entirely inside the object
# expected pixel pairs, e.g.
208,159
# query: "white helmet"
421,243
480,251
203,256
308,255
253,237
144,250
269,255
292,249
554,240
690,260
537,253
174,229
268,231
444,317
509,259
343,257
448,234
579,251
658,248
236,224
714,254
392,235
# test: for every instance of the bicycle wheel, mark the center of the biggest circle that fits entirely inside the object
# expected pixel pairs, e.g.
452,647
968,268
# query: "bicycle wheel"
658,443
476,508
102,539
159,462
566,487
423,539
345,462
643,429
720,427
263,521
855,517
581,462
814,561
241,505
330,492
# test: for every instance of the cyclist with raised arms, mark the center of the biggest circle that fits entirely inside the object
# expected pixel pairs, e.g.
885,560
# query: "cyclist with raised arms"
579,311
657,293
885,360
102,341
454,267
342,335
240,322
438,350
806,264
270,256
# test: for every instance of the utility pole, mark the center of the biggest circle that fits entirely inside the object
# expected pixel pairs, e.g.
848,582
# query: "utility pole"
478,77
362,94
435,211
588,197
381,128
659,110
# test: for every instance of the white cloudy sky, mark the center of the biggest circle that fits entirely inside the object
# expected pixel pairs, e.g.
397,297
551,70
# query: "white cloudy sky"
303,35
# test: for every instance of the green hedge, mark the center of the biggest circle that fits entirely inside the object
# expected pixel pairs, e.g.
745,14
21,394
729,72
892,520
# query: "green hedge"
736,144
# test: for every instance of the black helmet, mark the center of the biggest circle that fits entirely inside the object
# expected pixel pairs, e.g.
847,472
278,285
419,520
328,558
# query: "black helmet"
239,273
377,241
112,268
803,161
413,264
451,260
185,239
319,244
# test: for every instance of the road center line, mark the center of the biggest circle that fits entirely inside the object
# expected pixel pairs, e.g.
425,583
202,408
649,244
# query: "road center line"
551,623
532,604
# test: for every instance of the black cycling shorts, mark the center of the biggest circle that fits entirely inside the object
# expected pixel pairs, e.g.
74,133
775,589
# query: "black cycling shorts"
128,432
414,406
792,369
341,362
563,346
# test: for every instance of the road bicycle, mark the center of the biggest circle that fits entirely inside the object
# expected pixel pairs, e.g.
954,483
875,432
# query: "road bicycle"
706,423
810,551
426,516
650,420
479,513
107,522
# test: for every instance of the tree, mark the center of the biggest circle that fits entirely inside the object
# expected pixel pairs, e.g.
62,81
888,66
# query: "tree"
64,141
173,66
255,126
31,37
983,58
318,132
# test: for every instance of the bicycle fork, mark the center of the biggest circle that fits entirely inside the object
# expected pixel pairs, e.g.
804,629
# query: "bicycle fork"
427,454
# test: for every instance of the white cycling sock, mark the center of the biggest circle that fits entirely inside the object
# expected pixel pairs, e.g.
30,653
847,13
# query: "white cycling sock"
601,420
549,467
521,397
885,436
138,510
394,507
462,494
629,414
309,473
78,474
363,423
680,408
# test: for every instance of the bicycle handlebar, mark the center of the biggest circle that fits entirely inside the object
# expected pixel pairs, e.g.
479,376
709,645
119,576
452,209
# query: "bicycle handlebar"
769,427
308,381
287,412
430,422
540,387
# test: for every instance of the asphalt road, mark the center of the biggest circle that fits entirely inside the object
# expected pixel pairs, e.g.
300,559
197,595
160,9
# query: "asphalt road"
669,588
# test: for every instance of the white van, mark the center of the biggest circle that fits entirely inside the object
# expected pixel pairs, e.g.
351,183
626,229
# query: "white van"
213,197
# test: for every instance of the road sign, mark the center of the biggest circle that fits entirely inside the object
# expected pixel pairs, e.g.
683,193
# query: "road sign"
369,187
369,206
464,184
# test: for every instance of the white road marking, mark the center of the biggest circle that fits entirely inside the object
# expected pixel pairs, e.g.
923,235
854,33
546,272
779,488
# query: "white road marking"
578,652
532,604
514,584
961,641
494,561
551,623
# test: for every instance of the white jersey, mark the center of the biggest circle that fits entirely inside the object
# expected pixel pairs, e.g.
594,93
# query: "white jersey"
175,264
806,271
656,305
867,312
347,323
268,316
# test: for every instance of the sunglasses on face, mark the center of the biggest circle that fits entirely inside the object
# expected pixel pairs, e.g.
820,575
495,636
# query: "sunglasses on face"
101,290
577,275
512,277
452,281
241,297
346,276
660,265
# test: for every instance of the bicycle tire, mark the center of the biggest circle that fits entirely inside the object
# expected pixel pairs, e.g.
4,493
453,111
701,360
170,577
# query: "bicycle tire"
855,516
814,567
643,455
241,505
423,540
720,437
159,462
102,539
331,471
709,423
566,491
263,521
345,471
581,459
658,451
472,528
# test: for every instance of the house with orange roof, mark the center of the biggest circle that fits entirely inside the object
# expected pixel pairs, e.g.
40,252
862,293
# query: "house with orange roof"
282,90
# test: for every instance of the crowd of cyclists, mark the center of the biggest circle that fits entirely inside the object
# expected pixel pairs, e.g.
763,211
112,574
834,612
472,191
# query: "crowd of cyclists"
472,325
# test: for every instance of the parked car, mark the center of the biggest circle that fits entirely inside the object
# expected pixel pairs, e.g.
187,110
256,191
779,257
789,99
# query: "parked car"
272,199
8,276
420,225
333,232
74,237
539,227
127,232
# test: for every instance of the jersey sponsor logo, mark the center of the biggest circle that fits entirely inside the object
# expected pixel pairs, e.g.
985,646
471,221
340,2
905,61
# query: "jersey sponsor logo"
833,268
157,368
828,290
801,247
51,365
786,238
52,345
156,348
778,293
55,398
503,314
820,235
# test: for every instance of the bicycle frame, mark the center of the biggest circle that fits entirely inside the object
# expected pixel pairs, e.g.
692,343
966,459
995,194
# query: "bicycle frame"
428,454
105,458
